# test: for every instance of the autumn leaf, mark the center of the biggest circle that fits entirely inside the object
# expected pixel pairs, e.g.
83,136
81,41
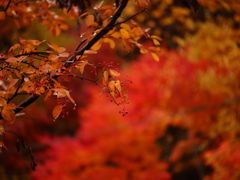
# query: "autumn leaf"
8,112
105,78
15,46
12,83
114,73
57,111
89,19
125,34
82,66
110,41
97,45
2,15
155,56
28,86
143,3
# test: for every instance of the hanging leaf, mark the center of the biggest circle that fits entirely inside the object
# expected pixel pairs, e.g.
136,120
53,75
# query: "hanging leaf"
114,73
57,111
82,66
105,78
155,56
7,112
97,45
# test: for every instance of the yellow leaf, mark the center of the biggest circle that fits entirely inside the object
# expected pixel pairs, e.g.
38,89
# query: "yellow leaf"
156,37
118,86
57,111
126,26
116,34
156,42
125,34
110,41
114,73
97,45
111,85
155,56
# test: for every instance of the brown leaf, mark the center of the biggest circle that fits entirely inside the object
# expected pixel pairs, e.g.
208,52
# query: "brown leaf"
7,113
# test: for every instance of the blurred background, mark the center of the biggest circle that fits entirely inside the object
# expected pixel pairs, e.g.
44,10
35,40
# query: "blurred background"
183,112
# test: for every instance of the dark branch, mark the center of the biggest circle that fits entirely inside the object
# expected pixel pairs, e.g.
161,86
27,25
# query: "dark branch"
104,31
71,60
7,6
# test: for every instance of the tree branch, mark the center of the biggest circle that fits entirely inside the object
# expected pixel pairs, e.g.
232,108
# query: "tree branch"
104,31
71,60
5,8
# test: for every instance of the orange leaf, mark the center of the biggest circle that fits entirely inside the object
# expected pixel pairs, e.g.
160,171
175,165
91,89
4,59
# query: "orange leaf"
89,19
97,45
7,113
15,46
155,56
69,97
28,87
125,34
126,26
3,102
110,41
143,3
105,78
12,83
118,86
156,42
36,42
111,85
2,15
57,111
116,34
82,66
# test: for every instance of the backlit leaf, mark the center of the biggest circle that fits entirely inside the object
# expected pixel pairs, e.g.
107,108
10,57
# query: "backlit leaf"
155,56
125,34
114,73
57,111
